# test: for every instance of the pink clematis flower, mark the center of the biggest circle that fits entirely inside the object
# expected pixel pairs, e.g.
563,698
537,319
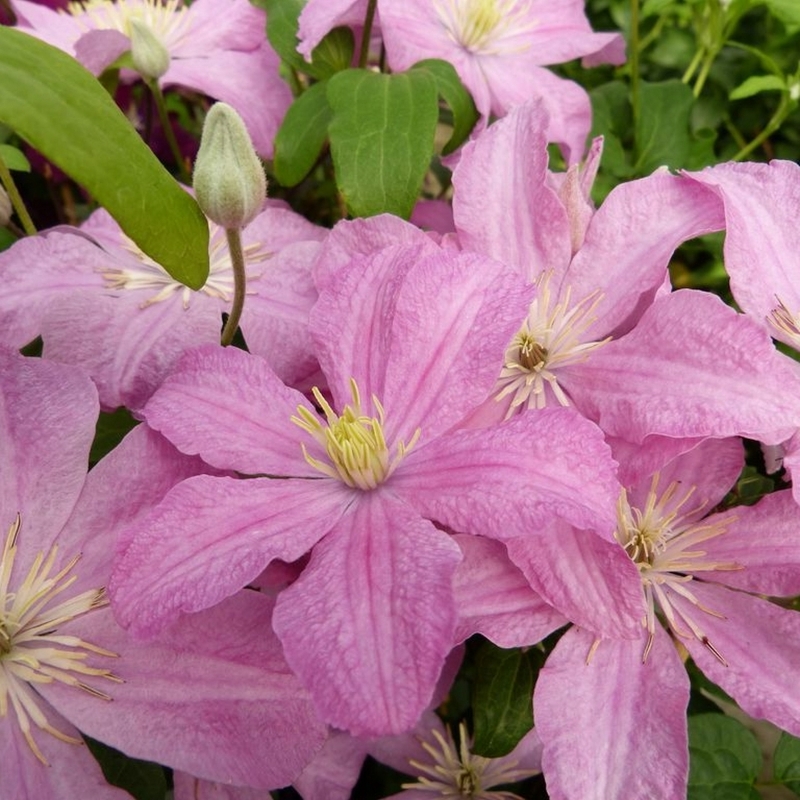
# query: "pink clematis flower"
604,703
604,333
500,49
100,303
224,711
216,47
319,17
407,340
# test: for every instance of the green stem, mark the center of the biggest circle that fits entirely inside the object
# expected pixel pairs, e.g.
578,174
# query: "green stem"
692,68
239,285
634,62
774,123
367,35
16,199
706,68
166,125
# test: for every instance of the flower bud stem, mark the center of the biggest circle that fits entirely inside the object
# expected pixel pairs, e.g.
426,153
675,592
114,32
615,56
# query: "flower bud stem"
239,280
166,125
16,199
367,34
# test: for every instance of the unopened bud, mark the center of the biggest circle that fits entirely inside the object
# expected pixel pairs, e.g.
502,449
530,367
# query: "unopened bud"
5,208
150,55
229,180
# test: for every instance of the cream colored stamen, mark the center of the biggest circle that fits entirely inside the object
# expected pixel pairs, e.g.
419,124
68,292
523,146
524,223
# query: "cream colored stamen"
167,20
666,545
486,27
549,339
152,278
31,649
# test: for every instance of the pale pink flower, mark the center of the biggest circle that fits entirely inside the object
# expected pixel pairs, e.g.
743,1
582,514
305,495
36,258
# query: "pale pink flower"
407,339
98,302
212,706
500,49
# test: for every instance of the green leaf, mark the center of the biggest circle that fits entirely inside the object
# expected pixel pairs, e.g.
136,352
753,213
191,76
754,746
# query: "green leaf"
62,110
381,136
786,762
455,94
724,759
663,136
14,158
757,84
302,135
282,18
787,11
501,699
612,119
333,54
145,781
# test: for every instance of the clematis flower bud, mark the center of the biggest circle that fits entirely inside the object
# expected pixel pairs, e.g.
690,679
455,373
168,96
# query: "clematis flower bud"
5,208
229,180
150,55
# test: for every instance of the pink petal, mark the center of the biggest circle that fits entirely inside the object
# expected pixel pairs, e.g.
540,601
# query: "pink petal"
220,25
236,78
493,597
147,466
333,772
761,239
622,263
127,349
761,539
318,17
368,624
224,707
98,49
760,645
613,728
71,771
423,333
230,408
48,414
591,581
729,382
187,787
505,480
210,537
521,222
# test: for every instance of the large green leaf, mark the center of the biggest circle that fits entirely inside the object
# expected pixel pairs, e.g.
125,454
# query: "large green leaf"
382,136
663,135
52,102
501,698
302,135
455,94
724,759
786,763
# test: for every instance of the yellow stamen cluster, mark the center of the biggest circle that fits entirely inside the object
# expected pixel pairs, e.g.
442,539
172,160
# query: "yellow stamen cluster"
31,649
353,441
786,323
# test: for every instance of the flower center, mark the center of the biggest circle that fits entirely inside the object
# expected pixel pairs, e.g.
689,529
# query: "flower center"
31,649
353,441
151,277
486,26
455,772
549,339
167,20
665,543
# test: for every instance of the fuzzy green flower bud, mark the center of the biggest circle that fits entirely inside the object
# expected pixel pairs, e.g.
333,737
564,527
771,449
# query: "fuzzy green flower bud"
5,208
150,55
229,180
